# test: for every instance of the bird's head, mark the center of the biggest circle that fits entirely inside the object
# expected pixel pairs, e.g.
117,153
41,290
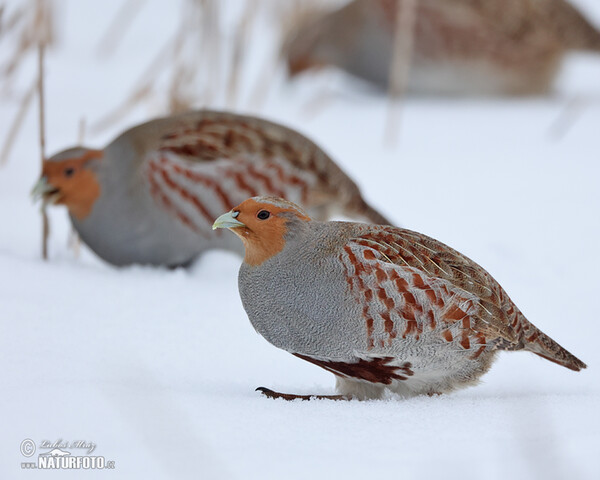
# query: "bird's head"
69,178
264,224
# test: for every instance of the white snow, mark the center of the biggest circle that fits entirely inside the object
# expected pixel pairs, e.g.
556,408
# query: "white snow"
158,368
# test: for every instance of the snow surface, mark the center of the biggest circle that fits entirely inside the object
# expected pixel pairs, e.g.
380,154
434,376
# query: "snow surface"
158,368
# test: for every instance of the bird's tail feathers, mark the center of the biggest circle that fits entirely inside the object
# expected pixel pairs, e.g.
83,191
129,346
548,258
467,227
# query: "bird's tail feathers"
547,348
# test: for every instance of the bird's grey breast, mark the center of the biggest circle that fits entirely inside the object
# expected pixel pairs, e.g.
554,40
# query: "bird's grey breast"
299,300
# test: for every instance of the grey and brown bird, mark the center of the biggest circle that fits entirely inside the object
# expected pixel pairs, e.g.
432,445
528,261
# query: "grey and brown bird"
380,307
470,47
152,194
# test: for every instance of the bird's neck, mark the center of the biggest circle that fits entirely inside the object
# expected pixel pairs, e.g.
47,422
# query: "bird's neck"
259,249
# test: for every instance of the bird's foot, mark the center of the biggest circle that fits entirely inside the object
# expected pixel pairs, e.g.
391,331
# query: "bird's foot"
290,396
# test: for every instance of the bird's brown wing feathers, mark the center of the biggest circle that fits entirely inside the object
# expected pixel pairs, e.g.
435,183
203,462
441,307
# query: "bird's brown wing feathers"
410,283
408,280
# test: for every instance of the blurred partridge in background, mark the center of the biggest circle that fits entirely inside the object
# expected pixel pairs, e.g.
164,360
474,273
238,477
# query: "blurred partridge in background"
465,47
379,307
152,194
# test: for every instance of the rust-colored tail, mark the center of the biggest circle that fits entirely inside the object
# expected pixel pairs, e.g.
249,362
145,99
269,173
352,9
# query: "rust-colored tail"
547,348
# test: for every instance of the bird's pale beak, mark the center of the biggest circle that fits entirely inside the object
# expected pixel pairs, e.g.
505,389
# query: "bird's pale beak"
43,190
228,220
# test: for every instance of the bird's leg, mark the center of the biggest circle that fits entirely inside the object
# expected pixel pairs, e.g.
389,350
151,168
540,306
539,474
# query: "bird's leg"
290,396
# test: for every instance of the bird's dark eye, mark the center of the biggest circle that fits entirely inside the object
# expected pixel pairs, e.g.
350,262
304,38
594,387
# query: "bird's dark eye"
263,215
69,171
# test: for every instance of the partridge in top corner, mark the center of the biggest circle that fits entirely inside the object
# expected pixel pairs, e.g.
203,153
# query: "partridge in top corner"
465,47
152,194
379,307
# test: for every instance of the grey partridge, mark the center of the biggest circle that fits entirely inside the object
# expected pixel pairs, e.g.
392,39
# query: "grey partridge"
472,47
382,308
152,194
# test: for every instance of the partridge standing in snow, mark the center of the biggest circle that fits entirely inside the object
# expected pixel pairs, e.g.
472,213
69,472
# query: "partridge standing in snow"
379,307
152,194
460,46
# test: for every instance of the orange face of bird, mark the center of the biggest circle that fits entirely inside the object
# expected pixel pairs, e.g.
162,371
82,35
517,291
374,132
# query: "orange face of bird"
261,223
67,180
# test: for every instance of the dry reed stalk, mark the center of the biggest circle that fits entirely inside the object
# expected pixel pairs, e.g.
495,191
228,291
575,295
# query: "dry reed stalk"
117,29
192,64
42,131
42,113
174,58
26,42
81,131
289,16
122,110
73,240
300,14
211,43
567,118
179,100
404,32
183,71
240,47
8,23
17,123
283,15
142,91
41,31
33,26
292,16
